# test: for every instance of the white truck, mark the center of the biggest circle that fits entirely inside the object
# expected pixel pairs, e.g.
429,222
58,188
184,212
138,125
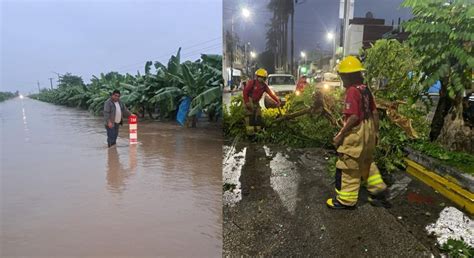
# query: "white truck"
281,85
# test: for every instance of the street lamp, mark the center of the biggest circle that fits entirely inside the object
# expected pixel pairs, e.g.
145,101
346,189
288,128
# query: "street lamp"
253,55
246,13
330,35
303,55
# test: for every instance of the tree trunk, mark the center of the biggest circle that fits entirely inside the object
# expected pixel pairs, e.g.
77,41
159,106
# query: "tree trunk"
444,105
455,135
150,113
142,111
194,121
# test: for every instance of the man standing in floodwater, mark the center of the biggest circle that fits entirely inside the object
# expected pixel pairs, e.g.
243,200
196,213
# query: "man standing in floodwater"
114,110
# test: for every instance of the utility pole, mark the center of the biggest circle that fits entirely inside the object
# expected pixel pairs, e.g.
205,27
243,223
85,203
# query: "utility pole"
39,89
247,57
292,42
51,81
348,14
232,53
292,61
58,74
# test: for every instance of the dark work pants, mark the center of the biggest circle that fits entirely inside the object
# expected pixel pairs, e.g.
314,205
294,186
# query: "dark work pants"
112,134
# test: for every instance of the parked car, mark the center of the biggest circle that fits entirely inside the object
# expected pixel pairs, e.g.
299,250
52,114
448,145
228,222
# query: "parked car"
318,77
331,77
281,85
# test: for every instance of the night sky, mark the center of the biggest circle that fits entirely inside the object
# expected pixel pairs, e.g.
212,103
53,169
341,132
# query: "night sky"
313,19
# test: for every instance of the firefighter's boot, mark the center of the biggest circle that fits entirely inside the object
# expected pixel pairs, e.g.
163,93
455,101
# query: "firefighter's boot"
333,203
380,199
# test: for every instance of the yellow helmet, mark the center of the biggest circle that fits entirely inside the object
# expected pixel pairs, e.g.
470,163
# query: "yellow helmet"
350,64
261,73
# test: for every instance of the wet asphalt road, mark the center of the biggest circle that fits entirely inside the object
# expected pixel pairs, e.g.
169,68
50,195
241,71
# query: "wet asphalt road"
278,209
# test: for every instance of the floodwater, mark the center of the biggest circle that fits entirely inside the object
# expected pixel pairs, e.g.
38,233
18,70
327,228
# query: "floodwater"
63,193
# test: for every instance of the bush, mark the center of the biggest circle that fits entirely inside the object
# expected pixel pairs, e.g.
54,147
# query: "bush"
6,95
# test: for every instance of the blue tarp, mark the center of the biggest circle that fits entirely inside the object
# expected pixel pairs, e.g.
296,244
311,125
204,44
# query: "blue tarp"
435,88
183,111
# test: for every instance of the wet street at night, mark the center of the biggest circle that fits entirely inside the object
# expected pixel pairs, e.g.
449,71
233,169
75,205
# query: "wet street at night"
274,205
63,193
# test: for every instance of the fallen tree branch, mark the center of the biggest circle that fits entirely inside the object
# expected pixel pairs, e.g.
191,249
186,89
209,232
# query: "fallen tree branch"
319,108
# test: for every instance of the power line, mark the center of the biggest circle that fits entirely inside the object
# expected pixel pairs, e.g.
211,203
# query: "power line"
164,55
157,58
184,55
200,52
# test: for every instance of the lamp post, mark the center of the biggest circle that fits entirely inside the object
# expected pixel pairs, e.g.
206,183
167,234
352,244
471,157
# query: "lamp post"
245,12
247,57
303,55
253,55
331,36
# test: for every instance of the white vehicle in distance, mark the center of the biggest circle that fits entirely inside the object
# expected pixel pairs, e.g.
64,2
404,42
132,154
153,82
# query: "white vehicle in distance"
329,81
281,85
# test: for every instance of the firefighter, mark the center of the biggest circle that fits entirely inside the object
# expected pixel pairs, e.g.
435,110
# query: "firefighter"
356,142
253,92
302,83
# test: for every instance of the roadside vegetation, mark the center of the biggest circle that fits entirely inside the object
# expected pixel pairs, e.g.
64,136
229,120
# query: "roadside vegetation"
156,94
6,95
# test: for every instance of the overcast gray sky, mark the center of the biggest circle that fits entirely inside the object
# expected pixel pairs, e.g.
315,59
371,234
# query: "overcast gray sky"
87,37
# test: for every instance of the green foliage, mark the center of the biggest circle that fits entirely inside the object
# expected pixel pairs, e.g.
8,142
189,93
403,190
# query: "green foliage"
441,34
68,80
205,99
390,149
388,64
234,118
460,160
304,131
316,131
457,248
6,95
161,87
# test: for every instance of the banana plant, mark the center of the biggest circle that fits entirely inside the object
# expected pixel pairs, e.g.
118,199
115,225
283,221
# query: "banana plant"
161,87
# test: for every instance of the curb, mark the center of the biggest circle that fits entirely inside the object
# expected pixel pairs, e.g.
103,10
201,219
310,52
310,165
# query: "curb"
444,185
462,179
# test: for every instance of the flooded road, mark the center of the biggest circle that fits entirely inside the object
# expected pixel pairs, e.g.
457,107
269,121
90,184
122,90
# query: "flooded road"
63,193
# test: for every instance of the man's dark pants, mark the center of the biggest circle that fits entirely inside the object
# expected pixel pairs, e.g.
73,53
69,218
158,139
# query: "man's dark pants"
112,134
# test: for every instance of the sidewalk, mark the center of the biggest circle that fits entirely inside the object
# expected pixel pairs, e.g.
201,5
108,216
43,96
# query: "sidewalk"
278,209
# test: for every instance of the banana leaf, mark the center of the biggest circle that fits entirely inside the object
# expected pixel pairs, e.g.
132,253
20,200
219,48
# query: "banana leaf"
174,63
201,101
